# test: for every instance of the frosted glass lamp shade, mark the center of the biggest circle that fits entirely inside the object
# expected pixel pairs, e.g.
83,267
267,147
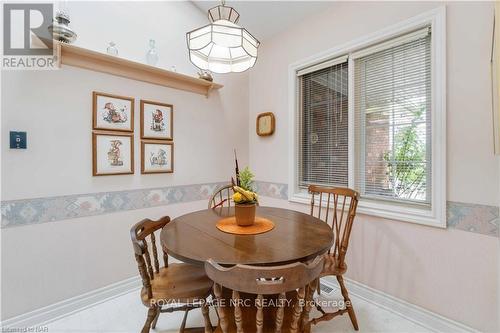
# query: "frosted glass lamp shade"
222,46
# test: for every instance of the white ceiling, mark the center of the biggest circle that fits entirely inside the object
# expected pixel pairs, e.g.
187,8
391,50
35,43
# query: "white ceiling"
263,19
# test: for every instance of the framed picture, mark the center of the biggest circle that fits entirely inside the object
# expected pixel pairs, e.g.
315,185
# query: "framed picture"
112,112
265,124
157,120
157,156
112,153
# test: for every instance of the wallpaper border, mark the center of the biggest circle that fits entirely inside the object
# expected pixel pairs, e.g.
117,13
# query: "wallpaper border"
477,218
40,210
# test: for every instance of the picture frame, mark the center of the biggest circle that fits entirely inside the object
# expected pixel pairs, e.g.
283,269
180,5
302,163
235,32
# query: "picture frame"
157,156
265,124
157,120
112,112
112,153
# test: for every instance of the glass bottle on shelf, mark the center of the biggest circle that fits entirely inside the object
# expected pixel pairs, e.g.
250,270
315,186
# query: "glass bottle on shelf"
112,49
152,55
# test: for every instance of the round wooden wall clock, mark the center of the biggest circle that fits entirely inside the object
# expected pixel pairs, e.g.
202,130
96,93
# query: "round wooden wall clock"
265,124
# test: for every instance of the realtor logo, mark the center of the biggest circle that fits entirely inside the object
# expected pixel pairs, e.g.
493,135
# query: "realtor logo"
27,41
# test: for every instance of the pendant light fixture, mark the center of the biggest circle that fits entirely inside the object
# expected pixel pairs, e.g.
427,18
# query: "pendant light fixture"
222,46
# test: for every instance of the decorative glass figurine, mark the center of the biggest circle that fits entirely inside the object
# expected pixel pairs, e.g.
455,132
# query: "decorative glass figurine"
60,29
112,49
205,75
152,55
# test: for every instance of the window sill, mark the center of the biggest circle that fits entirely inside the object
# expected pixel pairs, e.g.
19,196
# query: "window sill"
386,211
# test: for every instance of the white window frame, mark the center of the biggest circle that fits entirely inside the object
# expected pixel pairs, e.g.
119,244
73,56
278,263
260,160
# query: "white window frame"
436,216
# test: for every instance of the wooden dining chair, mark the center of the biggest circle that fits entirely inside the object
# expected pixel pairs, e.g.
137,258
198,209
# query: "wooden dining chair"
165,287
340,204
222,197
262,285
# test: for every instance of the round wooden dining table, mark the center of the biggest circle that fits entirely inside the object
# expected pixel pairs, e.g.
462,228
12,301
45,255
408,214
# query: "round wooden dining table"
296,237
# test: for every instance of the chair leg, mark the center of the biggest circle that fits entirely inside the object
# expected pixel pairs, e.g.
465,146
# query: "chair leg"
206,317
306,324
153,325
183,324
348,303
149,320
318,291
212,299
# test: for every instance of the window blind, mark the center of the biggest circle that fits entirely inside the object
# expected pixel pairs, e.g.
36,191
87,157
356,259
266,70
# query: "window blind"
392,106
323,152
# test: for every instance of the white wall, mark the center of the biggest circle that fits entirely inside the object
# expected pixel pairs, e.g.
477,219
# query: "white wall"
58,118
451,272
46,263
57,114
51,262
131,24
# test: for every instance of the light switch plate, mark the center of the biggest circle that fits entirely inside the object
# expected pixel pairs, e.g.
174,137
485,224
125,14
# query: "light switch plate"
18,140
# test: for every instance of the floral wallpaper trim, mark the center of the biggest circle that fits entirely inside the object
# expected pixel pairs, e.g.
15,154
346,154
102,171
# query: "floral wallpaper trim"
471,217
273,190
482,219
33,211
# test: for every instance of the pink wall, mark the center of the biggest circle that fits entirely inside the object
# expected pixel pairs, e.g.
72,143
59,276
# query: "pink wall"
447,271
450,272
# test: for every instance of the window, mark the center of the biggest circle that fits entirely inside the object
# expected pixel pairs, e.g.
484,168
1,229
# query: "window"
371,115
323,156
392,105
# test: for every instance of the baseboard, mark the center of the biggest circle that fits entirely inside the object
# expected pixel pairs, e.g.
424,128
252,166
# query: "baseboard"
67,307
414,313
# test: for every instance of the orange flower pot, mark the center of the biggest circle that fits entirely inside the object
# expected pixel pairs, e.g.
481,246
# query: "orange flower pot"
245,214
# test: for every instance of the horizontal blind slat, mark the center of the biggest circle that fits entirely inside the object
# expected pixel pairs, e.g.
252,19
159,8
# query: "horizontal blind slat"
394,43
392,100
322,65
323,151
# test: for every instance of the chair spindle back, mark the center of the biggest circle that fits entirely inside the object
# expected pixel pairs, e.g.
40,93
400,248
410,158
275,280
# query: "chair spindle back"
264,280
222,197
342,202
147,261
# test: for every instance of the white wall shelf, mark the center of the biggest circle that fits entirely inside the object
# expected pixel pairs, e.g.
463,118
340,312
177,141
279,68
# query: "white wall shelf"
79,57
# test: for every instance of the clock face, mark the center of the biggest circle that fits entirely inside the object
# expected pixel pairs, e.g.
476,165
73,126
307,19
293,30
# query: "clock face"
265,124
